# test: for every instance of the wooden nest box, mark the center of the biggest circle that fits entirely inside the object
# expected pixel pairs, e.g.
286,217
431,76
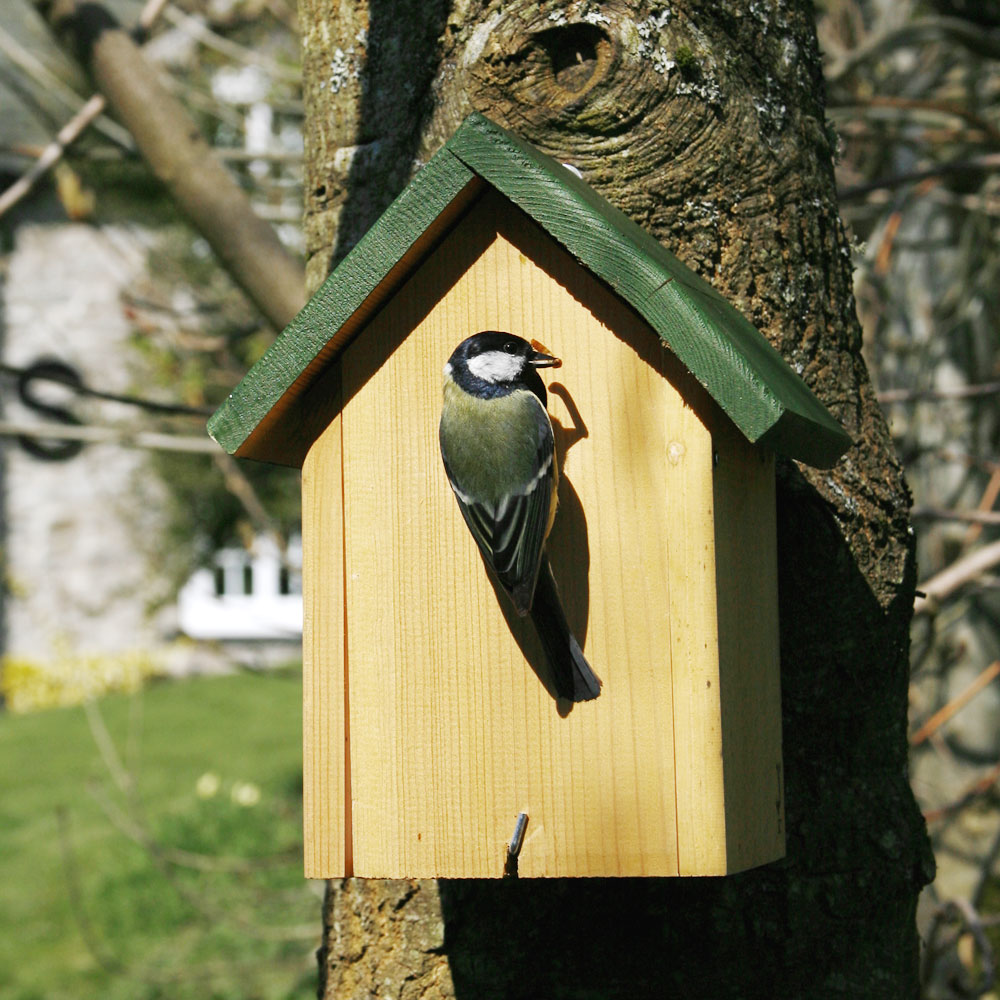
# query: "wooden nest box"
430,722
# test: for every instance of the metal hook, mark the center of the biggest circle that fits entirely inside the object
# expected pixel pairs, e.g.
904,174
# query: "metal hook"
514,847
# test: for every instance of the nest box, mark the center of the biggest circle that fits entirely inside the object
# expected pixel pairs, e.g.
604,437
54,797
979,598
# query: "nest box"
430,722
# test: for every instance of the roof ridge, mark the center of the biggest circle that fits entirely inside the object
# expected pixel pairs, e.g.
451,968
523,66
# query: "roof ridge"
735,363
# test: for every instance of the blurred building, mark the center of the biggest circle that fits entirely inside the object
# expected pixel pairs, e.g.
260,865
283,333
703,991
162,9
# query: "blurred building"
247,596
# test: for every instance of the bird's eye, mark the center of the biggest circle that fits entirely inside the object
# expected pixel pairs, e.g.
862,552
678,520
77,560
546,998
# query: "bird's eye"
510,347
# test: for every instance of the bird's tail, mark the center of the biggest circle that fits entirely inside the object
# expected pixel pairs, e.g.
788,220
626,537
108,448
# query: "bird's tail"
574,680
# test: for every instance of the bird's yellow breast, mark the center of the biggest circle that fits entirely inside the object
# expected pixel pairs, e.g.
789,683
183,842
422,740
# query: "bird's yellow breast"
491,445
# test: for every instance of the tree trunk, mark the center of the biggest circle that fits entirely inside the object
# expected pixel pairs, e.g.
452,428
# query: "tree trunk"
705,123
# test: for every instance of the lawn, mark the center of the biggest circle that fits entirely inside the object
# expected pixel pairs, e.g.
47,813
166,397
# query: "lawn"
150,846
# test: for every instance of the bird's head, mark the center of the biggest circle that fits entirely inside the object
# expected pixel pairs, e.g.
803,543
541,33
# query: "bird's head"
497,359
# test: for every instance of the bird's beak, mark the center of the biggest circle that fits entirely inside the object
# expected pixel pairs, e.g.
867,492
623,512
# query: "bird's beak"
540,357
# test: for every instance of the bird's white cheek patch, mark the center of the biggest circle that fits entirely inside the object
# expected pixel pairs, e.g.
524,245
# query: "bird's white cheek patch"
496,366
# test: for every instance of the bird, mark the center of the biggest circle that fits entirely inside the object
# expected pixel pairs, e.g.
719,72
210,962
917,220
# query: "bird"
499,455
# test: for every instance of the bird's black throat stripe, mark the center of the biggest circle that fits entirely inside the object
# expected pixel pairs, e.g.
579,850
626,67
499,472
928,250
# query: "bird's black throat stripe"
479,387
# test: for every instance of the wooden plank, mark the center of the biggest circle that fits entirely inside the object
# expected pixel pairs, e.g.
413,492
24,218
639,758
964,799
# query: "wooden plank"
689,516
750,681
325,762
453,734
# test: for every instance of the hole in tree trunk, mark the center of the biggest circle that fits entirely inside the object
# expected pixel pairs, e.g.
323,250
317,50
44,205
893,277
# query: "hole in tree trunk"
574,52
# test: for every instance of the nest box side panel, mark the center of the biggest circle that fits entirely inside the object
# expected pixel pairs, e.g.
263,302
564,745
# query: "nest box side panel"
453,728
749,655
326,818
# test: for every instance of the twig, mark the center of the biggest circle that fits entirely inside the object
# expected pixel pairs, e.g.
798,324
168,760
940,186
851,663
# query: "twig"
979,787
976,517
136,831
942,715
278,156
914,33
954,576
971,461
951,392
106,747
239,486
987,966
93,434
164,859
167,860
986,877
52,153
988,161
54,86
150,13
196,29
76,901
890,101
986,502
891,230
969,920
90,111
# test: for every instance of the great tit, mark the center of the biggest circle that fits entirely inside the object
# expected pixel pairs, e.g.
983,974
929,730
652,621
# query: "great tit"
497,445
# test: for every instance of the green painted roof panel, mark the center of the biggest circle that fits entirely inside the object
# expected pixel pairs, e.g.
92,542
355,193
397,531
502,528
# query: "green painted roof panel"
340,296
736,364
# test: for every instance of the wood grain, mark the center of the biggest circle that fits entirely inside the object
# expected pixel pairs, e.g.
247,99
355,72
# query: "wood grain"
453,730
453,734
325,757
750,675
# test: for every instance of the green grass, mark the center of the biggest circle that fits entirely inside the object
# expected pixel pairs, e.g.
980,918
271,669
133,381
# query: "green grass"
119,880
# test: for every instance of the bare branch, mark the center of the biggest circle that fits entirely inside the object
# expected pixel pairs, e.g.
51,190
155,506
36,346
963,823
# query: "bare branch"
978,517
92,434
91,111
74,888
52,153
150,13
959,573
917,32
33,67
170,142
975,164
196,29
986,502
940,717
979,787
952,392
240,487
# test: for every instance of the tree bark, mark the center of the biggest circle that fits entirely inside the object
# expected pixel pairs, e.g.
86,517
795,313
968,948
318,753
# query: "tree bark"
705,123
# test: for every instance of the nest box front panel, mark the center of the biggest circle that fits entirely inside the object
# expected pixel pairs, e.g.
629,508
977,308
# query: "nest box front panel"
442,694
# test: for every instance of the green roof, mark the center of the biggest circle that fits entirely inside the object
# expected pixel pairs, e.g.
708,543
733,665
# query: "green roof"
736,364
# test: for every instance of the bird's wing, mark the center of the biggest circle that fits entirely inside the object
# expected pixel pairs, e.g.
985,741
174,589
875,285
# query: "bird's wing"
511,534
519,534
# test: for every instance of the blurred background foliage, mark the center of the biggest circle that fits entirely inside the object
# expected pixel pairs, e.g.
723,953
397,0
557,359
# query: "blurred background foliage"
234,64
149,843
